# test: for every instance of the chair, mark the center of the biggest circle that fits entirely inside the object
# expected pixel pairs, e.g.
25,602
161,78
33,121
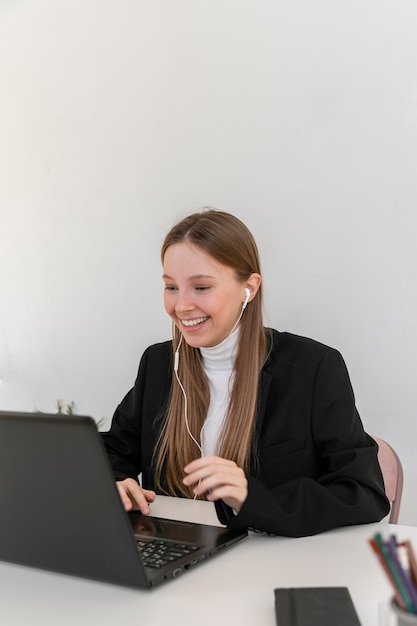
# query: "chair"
392,472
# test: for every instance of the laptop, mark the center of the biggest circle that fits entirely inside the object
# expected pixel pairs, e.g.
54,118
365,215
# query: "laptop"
60,509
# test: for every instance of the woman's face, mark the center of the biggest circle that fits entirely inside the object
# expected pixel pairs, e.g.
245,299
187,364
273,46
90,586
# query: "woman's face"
202,296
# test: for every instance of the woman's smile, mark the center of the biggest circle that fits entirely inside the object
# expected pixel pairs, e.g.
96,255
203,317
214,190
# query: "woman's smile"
193,323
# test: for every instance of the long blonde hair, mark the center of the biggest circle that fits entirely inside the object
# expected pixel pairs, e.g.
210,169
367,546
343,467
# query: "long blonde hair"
228,241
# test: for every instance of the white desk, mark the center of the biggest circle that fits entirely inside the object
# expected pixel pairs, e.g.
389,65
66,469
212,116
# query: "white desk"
233,588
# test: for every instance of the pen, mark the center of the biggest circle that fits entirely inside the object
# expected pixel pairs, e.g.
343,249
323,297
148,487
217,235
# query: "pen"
390,566
391,546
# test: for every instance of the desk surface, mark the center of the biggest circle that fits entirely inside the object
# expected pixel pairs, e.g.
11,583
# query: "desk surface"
233,588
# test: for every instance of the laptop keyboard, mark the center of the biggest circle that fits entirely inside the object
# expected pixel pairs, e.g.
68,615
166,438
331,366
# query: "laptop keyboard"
157,552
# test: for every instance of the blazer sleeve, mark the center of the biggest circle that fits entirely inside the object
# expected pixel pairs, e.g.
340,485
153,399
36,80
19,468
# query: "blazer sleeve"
347,488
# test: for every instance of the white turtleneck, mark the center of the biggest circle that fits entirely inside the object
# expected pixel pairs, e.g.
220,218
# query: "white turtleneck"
218,363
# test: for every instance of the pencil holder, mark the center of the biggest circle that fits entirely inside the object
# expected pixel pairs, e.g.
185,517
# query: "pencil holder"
403,617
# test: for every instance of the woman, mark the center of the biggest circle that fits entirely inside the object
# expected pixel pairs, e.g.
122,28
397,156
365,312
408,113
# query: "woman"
262,423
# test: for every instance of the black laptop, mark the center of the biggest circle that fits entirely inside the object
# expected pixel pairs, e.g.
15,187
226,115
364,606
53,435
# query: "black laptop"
60,509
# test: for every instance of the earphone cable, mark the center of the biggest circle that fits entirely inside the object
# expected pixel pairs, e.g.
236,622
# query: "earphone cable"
186,413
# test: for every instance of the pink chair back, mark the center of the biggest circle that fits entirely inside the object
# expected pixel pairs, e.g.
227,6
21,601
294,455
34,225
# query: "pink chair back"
392,473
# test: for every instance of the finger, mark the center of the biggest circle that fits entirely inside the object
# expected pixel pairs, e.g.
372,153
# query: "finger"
231,488
149,495
134,497
139,500
127,503
202,472
232,496
206,461
210,482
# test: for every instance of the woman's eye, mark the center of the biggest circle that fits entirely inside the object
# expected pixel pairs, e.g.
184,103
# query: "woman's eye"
170,288
202,288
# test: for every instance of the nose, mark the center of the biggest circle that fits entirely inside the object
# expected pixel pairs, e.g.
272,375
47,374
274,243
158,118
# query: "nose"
184,302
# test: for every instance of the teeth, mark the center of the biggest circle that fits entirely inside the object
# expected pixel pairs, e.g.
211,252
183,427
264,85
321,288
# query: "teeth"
194,322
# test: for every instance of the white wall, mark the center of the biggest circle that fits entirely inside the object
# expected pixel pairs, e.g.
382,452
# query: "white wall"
119,117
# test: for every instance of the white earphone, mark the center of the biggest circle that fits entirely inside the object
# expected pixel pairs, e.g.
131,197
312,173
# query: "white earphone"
177,355
247,291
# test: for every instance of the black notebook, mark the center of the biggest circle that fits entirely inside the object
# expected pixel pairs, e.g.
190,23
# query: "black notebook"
61,510
315,606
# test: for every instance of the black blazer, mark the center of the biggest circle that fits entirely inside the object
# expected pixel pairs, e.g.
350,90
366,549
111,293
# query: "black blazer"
317,468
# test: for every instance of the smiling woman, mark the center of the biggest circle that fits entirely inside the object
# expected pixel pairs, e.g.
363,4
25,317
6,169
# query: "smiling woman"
263,423
203,296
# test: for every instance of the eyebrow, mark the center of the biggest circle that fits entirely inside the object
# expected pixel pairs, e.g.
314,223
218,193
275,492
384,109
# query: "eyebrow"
194,277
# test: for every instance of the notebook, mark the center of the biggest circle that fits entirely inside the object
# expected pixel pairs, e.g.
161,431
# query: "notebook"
315,606
60,509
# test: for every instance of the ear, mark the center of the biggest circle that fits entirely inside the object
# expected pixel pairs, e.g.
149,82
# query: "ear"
253,283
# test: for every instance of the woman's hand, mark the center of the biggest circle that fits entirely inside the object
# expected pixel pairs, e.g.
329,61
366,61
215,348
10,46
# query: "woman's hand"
135,498
217,479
